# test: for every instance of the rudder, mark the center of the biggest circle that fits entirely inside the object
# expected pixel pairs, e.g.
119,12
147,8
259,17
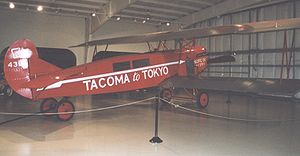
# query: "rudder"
22,64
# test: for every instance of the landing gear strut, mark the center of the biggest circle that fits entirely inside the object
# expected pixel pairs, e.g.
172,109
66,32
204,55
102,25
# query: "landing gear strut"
166,94
51,105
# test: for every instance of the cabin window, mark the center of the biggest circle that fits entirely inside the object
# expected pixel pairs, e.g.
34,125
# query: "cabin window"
121,66
140,63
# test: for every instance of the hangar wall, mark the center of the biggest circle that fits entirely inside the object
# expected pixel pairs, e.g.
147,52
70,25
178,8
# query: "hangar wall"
43,29
258,55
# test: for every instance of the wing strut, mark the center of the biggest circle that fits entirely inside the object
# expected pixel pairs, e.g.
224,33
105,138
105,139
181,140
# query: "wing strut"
149,46
95,51
106,47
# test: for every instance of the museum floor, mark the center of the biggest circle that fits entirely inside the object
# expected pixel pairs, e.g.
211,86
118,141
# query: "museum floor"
126,131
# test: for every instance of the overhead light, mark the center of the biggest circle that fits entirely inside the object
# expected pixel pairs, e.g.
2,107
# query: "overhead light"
148,15
144,21
93,14
11,5
118,18
39,8
168,24
135,20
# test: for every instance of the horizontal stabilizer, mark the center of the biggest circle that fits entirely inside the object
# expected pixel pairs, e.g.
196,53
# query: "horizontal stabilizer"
40,82
49,79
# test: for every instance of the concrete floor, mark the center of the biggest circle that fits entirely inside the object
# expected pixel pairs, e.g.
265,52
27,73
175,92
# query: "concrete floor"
127,130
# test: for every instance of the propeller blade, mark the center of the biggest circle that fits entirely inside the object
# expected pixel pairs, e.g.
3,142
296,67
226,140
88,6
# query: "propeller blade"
221,59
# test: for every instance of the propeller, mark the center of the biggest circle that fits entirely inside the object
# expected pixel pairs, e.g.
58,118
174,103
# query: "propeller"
221,59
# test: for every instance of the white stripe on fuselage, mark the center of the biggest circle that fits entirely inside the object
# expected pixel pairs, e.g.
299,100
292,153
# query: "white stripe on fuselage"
60,83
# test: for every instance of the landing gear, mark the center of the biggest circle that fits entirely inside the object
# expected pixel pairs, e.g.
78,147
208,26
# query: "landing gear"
51,105
65,106
202,99
48,106
8,91
166,94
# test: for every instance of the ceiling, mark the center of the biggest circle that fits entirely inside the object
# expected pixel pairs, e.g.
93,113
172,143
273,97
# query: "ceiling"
154,12
162,11
80,8
150,11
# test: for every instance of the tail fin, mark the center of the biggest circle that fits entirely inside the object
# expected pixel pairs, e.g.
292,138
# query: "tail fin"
21,64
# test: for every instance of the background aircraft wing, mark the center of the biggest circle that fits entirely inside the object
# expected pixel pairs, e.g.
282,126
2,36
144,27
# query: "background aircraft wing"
200,32
262,87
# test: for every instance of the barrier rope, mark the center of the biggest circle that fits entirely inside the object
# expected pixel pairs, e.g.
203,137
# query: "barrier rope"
219,116
140,101
77,112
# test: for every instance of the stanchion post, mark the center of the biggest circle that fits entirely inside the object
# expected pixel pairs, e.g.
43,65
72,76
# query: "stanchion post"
228,101
156,139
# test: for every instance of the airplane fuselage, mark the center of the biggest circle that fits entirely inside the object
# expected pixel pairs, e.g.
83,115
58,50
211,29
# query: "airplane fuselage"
123,73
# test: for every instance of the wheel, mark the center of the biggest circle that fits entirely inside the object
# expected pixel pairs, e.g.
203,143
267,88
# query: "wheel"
48,106
202,100
2,87
65,106
166,94
8,91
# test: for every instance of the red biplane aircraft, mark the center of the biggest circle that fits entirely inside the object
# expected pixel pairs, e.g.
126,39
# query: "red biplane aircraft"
34,78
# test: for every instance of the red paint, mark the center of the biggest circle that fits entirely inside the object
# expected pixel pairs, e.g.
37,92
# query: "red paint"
203,99
65,106
32,82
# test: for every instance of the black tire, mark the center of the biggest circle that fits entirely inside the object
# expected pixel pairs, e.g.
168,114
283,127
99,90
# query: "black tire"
202,100
65,106
48,106
8,91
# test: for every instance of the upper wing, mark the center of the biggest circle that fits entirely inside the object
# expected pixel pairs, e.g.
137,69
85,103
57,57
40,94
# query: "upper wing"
200,32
